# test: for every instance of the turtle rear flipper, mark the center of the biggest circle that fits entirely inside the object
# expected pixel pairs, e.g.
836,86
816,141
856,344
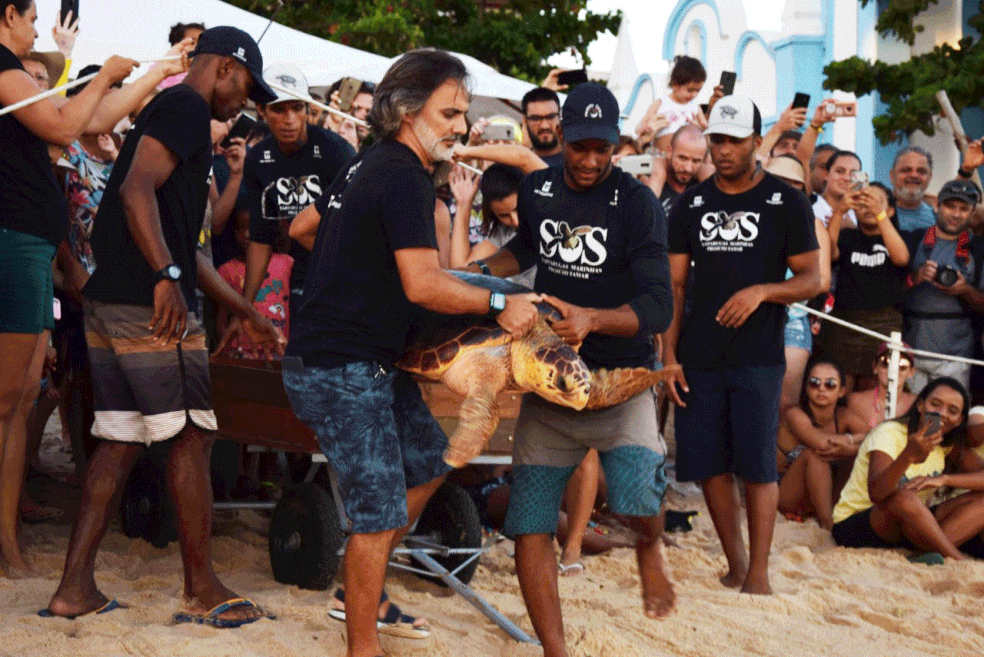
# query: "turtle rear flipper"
478,416
612,387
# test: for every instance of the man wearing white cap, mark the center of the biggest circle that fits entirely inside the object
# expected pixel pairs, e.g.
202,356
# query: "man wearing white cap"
741,228
283,174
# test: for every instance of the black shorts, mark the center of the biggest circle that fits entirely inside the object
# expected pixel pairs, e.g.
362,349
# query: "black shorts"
856,531
729,423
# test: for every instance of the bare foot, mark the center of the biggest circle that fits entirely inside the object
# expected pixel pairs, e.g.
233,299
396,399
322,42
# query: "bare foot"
734,578
661,598
757,584
658,594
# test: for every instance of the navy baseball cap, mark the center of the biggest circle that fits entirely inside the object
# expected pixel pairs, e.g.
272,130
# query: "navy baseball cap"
590,112
964,190
233,42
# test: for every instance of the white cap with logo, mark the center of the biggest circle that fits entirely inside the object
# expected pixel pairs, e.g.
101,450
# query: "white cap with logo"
734,116
290,77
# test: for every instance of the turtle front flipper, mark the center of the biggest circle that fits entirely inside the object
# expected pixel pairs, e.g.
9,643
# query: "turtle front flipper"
612,387
478,416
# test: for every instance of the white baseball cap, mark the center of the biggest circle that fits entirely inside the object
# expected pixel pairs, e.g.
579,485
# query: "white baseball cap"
289,77
734,116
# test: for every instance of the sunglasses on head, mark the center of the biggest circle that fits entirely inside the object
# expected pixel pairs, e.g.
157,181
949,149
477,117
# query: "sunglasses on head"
815,382
904,363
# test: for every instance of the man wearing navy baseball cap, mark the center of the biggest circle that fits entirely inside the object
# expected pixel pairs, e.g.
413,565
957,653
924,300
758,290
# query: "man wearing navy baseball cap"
598,239
743,229
147,348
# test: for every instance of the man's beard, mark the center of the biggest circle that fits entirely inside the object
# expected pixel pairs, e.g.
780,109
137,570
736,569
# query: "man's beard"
429,140
909,195
680,179
549,145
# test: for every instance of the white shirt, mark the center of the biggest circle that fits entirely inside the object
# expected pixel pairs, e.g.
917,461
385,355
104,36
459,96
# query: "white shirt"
824,212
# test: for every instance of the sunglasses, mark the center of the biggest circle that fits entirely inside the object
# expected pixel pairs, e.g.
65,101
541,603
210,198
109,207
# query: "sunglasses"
830,384
903,363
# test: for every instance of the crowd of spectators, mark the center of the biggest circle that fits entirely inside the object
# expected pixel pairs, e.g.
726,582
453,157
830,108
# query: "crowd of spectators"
890,258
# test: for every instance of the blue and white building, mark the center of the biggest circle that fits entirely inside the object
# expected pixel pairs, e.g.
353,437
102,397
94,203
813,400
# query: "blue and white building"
773,66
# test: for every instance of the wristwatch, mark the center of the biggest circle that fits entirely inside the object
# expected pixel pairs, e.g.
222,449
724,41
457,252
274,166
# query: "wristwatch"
483,267
497,303
170,273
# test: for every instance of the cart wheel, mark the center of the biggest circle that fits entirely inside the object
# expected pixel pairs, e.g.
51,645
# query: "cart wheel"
146,511
305,536
451,519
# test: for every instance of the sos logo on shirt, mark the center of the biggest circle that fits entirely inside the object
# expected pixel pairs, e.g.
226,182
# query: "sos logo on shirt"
574,252
285,197
734,232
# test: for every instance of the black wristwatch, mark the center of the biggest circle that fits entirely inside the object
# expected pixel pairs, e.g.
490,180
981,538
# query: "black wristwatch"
170,273
497,303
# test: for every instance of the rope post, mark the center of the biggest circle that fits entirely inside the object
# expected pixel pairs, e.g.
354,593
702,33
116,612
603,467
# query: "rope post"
891,395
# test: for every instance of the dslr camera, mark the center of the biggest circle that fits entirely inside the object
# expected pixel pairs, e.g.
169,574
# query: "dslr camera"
945,276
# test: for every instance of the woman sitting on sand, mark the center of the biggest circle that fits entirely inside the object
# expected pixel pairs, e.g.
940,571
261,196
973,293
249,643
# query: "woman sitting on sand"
866,409
812,438
888,501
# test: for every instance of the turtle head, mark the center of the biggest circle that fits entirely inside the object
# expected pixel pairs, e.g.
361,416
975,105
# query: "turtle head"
544,364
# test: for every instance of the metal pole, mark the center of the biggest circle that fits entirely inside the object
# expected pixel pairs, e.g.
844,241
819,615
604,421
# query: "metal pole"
891,395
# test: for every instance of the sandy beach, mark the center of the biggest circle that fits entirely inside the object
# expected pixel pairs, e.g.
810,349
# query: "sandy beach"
828,601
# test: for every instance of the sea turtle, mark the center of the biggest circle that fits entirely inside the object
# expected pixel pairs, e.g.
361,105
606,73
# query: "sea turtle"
476,358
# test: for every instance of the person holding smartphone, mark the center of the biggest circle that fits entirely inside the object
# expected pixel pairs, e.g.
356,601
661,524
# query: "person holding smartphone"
891,499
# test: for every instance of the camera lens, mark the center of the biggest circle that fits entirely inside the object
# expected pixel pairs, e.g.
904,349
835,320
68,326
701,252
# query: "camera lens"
946,276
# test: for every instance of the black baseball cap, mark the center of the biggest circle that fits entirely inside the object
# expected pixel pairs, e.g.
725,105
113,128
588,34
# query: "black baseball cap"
233,42
960,189
590,112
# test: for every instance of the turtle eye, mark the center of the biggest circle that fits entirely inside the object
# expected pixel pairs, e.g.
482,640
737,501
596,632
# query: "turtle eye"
562,384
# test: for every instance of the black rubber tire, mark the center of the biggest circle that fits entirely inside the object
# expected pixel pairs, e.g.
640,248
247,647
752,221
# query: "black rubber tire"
451,519
225,467
305,536
146,511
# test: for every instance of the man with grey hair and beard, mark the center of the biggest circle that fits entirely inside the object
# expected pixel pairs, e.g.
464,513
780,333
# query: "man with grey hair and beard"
910,175
373,256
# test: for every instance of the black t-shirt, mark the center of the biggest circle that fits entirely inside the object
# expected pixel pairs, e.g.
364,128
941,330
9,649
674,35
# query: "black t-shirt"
354,306
31,201
669,195
180,120
277,186
735,241
866,277
599,248
555,160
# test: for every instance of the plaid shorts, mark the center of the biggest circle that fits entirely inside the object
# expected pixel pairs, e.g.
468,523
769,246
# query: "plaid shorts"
145,391
376,432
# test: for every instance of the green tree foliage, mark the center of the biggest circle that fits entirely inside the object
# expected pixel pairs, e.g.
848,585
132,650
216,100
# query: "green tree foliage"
909,88
515,39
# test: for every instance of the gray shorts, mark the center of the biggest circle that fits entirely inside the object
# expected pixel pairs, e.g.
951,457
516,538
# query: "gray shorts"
551,441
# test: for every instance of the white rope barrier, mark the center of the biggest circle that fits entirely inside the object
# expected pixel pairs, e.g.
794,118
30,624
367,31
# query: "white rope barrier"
311,101
891,343
70,85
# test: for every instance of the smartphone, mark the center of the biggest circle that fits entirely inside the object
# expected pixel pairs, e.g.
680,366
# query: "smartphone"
859,179
727,83
497,132
705,108
801,100
572,78
242,127
69,6
636,165
347,93
933,420
841,108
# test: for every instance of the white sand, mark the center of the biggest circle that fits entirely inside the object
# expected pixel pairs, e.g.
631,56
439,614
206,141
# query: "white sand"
829,601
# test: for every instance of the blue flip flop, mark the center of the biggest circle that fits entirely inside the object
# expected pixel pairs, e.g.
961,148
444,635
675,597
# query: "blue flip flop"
211,617
105,609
